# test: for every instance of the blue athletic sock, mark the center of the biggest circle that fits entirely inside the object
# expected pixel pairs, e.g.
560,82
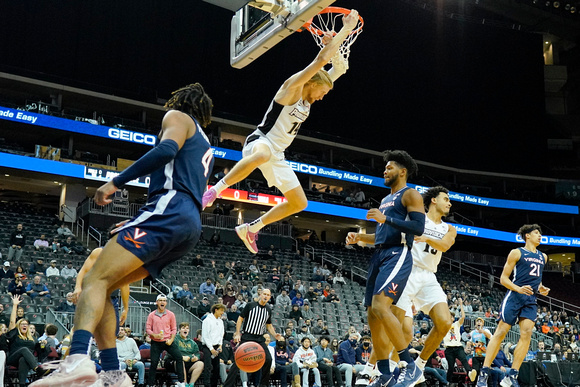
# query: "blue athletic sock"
110,360
514,372
484,370
405,356
384,367
80,343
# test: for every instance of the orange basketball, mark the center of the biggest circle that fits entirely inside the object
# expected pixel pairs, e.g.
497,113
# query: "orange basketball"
250,357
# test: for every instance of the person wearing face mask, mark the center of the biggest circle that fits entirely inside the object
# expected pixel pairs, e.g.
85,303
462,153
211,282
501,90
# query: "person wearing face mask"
326,363
363,351
346,359
305,358
284,364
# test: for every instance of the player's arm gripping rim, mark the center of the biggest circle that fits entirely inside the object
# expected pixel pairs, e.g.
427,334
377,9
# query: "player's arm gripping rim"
291,90
442,244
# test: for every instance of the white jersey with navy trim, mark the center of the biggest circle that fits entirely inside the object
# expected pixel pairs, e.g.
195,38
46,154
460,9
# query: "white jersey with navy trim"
281,123
425,256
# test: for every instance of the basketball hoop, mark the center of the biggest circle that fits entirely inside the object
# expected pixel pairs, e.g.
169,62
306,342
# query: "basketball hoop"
326,22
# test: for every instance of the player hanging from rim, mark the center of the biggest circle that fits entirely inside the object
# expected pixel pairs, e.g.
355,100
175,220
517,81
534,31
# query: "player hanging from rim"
164,230
401,216
264,148
519,304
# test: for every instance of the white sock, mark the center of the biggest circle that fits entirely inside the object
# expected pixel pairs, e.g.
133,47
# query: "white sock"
420,363
256,225
220,186
244,384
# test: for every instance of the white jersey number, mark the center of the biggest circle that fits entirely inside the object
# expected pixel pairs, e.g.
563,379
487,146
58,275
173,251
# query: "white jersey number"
206,161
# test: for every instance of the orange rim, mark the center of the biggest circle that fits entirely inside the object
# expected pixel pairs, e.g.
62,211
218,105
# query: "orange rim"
308,25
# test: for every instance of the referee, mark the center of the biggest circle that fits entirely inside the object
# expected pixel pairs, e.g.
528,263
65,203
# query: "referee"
255,320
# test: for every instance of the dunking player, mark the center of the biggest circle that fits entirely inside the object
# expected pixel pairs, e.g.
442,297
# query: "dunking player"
165,229
264,148
401,216
519,304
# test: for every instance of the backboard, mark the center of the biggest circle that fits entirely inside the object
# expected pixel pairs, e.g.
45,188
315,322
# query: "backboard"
261,24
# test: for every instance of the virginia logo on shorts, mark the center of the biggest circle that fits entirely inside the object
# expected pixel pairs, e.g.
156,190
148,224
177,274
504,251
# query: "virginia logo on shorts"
138,234
393,288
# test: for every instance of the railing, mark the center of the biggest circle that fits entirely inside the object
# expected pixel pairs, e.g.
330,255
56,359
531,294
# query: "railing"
137,317
219,221
68,212
309,250
332,259
356,271
80,224
181,314
95,234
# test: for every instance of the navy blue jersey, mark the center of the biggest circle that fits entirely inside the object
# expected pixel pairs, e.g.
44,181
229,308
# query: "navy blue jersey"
528,270
393,207
188,172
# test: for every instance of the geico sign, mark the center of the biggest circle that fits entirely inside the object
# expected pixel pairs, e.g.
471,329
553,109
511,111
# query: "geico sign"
127,135
303,168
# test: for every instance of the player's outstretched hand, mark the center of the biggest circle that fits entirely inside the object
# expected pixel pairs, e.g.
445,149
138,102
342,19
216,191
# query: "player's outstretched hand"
527,290
376,214
103,193
352,238
543,290
350,21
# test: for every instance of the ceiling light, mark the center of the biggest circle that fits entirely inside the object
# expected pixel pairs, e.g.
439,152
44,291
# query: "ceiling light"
547,3
547,42
556,4
572,9
7,175
567,7
55,182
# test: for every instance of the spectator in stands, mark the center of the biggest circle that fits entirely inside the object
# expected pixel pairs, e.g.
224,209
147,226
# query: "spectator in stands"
359,197
67,306
307,313
6,272
351,330
68,271
363,351
50,331
184,294
240,301
424,328
319,290
229,298
284,364
212,337
17,241
325,270
4,318
146,342
334,346
52,269
37,289
338,278
305,332
332,297
234,313
283,299
220,277
318,276
325,359
197,261
226,357
17,286
365,331
207,287
285,284
71,246
190,354
320,328
64,231
295,313
274,276
346,359
203,308
55,245
454,348
37,267
311,295
289,333
129,355
298,300
41,243
22,345
305,358
501,364
479,337
162,328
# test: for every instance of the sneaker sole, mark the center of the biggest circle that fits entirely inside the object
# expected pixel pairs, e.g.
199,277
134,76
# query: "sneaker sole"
243,238
505,383
82,381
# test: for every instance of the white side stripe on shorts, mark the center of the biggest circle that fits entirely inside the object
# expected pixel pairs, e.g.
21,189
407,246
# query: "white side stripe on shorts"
397,268
160,207
503,304
168,171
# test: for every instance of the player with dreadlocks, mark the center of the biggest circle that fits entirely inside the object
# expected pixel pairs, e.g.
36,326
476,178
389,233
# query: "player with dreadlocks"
165,229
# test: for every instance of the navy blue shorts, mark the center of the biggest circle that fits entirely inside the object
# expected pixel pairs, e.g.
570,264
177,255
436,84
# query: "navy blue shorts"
164,230
388,272
516,305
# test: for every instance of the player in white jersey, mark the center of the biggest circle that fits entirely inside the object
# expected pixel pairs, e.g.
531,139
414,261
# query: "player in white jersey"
264,148
422,288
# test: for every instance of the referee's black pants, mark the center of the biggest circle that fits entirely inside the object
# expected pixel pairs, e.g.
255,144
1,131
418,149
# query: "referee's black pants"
234,373
211,368
452,353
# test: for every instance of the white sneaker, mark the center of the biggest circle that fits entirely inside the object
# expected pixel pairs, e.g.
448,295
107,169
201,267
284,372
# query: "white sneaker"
75,370
113,379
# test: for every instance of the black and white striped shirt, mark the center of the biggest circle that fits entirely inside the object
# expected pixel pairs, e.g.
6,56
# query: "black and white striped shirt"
256,317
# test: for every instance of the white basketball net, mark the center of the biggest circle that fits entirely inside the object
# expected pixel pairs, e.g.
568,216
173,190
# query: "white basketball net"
332,22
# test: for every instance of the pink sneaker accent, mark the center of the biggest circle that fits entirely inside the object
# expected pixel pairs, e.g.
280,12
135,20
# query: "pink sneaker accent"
113,379
249,238
75,370
208,198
